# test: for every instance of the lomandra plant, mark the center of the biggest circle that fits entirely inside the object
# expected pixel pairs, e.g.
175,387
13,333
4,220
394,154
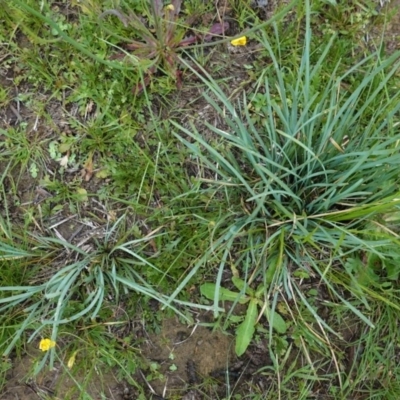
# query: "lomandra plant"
305,181
160,38
71,282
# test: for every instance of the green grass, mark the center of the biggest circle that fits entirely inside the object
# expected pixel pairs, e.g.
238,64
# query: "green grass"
282,219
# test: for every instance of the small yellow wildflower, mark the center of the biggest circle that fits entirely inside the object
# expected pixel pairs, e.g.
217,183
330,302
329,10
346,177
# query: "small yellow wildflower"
239,41
46,344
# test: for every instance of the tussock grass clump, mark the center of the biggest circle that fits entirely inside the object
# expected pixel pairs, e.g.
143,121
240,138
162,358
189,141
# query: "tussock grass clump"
69,282
304,180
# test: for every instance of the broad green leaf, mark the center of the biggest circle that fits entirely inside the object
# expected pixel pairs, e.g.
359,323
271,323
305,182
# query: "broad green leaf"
277,322
239,283
242,285
245,331
260,291
208,289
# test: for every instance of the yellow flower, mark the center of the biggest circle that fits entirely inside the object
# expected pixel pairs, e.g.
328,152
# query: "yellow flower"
239,41
46,344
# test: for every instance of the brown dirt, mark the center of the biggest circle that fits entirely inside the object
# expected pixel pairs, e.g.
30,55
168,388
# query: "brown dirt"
186,355
55,384
390,32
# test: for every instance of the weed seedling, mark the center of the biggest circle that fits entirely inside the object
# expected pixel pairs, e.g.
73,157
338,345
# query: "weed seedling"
254,299
161,41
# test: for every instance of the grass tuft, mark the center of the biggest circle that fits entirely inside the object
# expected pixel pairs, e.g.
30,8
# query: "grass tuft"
304,181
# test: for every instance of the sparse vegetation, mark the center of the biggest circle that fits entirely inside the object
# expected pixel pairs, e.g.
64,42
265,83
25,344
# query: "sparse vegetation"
257,201
160,49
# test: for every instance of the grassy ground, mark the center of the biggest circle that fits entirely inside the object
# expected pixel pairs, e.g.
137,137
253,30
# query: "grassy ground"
183,217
